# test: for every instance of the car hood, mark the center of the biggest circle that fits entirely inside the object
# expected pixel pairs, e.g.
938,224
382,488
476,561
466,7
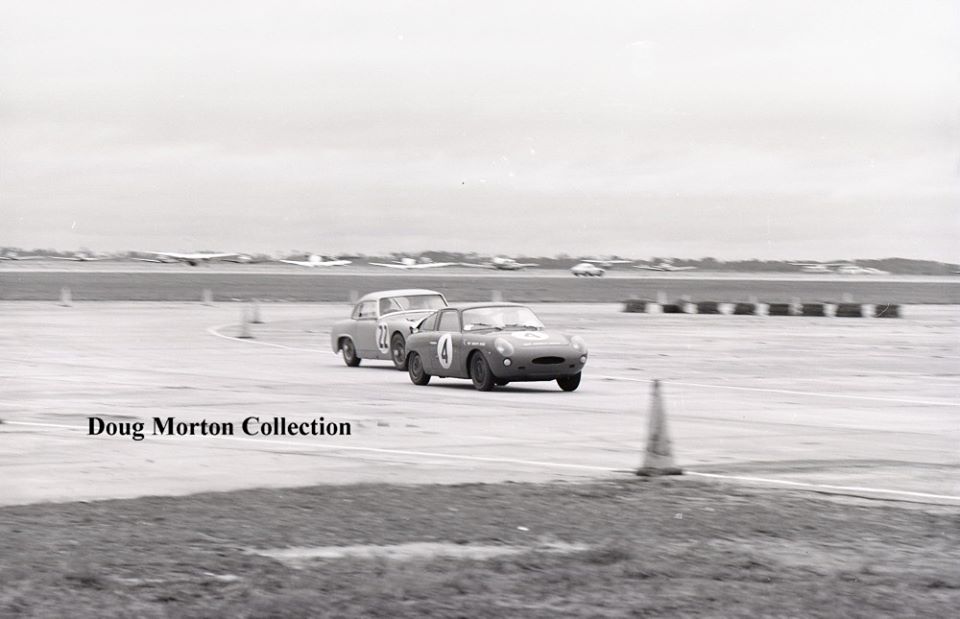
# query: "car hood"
524,339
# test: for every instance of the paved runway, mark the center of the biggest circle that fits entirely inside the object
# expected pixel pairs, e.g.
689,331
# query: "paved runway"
867,404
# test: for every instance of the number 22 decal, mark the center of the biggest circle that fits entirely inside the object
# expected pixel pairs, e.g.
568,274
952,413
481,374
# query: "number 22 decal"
445,350
383,343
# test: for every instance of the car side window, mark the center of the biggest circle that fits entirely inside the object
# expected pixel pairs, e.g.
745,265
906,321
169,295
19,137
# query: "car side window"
365,309
449,321
388,306
429,323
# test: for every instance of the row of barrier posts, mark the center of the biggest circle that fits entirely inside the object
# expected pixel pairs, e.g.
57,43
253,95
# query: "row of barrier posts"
843,309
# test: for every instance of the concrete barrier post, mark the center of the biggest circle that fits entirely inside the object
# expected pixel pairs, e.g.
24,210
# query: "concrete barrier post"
66,298
255,317
496,296
245,332
207,296
354,297
661,297
658,455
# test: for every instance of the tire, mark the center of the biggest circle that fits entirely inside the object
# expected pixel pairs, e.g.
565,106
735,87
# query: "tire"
398,351
349,353
415,369
501,382
483,379
569,383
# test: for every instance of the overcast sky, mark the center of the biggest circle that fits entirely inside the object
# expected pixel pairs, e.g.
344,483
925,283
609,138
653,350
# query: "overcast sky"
732,129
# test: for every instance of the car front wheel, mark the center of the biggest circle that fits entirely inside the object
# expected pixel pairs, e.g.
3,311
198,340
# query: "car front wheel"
483,379
349,353
398,351
569,383
418,376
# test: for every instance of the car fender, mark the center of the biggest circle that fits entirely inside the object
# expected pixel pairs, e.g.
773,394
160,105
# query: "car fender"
341,329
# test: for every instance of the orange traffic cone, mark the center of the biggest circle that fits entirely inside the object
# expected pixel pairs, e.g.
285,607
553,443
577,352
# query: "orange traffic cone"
658,457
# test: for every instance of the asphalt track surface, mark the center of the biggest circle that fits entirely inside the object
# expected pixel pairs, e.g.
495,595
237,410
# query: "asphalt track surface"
865,407
105,282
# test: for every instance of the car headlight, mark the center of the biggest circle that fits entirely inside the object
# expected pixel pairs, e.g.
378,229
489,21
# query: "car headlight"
503,346
577,342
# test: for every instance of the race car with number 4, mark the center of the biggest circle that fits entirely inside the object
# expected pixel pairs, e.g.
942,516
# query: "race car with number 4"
493,344
380,324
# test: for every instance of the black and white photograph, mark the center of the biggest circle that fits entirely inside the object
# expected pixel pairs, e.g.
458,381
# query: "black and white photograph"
451,309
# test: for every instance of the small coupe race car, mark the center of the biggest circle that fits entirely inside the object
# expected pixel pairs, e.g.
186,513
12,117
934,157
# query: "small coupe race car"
380,324
493,344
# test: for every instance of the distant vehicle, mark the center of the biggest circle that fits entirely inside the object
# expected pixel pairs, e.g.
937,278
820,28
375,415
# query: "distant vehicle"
413,264
380,323
666,265
193,259
12,255
587,269
501,263
837,268
607,263
493,344
314,261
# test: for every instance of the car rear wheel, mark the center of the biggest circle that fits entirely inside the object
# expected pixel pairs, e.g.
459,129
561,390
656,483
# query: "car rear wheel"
569,383
483,379
349,353
398,351
418,376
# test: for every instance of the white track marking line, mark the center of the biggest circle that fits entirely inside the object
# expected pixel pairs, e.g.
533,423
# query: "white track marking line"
789,392
825,487
586,467
215,331
400,452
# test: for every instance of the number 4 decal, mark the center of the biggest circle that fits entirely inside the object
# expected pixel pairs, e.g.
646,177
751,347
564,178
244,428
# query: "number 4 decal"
445,350
383,343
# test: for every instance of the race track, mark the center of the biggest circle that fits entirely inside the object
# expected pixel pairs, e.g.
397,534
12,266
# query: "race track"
865,405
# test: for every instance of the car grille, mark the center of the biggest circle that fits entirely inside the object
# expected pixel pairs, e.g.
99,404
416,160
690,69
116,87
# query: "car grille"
548,360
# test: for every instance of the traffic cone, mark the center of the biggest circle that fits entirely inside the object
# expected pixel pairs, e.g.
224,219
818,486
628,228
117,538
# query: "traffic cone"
66,298
658,457
245,332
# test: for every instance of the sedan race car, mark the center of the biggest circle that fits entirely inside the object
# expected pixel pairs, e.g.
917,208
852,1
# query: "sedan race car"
493,344
380,324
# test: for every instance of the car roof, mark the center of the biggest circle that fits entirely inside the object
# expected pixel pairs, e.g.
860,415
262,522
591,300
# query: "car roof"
488,304
402,292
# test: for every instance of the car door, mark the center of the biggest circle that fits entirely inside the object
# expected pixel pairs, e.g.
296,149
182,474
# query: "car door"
366,329
446,345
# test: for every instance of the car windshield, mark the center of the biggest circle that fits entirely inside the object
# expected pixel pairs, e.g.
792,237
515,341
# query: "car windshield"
389,305
503,318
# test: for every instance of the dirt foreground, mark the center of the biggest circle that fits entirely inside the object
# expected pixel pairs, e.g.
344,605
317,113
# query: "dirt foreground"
664,547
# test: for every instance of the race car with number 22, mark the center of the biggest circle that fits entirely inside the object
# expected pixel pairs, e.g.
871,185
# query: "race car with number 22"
380,323
493,344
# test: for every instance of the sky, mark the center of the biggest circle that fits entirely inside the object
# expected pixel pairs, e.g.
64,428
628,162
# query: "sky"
733,129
